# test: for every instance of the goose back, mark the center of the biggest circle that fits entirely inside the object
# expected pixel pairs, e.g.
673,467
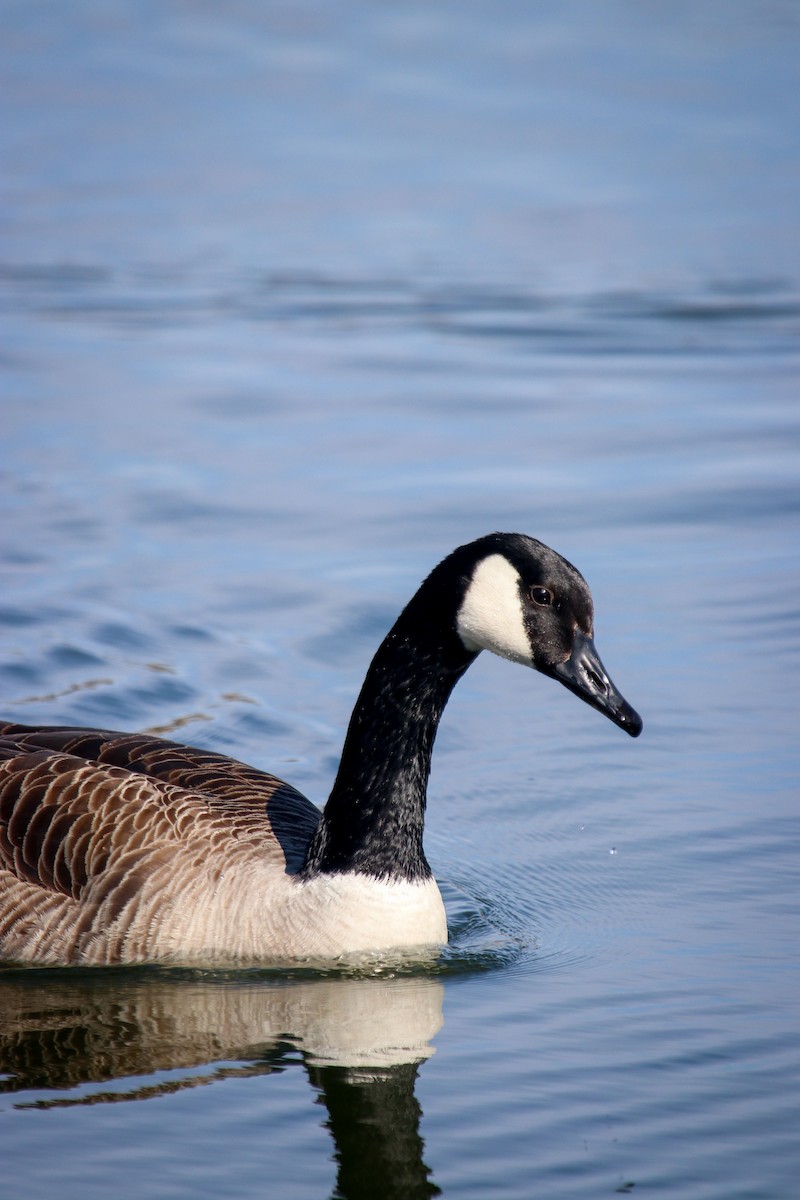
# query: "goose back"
102,832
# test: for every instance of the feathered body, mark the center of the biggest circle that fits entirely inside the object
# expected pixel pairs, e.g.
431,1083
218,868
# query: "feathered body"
127,848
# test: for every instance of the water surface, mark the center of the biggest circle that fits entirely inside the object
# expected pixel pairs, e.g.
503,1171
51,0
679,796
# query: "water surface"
294,301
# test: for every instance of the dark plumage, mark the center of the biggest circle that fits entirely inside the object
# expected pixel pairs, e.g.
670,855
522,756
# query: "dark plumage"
123,847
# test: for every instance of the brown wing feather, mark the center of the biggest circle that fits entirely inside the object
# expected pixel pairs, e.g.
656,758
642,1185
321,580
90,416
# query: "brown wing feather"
188,767
63,820
74,803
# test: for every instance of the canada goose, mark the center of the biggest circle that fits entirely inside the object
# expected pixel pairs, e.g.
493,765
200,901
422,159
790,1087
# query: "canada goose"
123,848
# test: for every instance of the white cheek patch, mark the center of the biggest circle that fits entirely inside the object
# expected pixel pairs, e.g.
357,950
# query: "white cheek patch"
490,617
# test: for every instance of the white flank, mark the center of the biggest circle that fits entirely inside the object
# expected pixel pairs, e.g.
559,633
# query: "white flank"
252,915
490,617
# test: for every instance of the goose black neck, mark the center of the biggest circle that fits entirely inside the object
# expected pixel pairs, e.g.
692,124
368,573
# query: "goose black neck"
373,821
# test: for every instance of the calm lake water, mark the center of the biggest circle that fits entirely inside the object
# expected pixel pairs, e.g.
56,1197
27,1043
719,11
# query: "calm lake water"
295,299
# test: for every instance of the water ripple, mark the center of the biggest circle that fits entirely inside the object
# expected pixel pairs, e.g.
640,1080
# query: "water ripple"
738,315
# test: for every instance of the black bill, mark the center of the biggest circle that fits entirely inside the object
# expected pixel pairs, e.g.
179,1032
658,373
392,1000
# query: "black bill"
584,674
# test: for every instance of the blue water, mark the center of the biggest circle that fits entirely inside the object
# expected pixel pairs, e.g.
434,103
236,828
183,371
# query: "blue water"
295,298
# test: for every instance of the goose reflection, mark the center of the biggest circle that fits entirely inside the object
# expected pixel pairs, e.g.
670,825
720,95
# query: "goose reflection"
360,1040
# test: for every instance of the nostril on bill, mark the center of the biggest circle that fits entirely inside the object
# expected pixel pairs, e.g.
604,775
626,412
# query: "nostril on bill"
597,681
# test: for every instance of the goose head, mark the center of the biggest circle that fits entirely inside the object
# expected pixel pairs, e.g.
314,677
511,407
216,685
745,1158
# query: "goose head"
525,602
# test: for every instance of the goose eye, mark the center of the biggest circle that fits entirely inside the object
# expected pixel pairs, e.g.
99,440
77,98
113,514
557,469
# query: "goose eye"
541,596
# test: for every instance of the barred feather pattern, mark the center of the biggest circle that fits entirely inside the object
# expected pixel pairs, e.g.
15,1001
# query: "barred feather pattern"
127,848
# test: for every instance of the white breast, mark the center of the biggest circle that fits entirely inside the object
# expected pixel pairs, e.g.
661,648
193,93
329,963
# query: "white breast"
352,914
